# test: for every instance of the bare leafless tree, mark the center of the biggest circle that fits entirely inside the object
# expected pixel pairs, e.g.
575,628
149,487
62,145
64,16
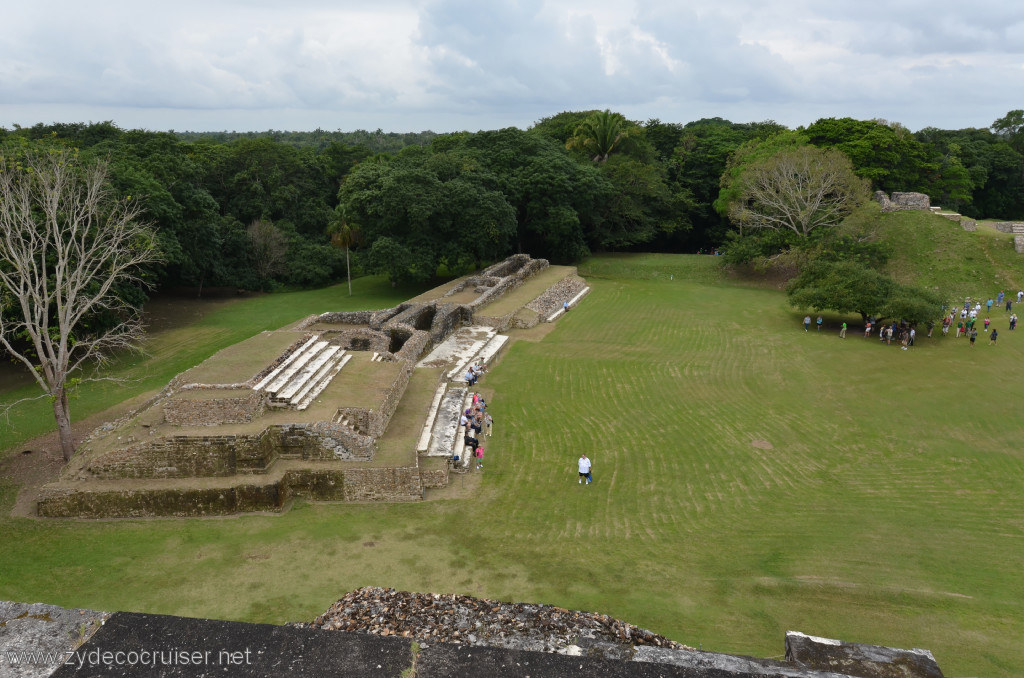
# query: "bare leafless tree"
798,189
66,244
268,248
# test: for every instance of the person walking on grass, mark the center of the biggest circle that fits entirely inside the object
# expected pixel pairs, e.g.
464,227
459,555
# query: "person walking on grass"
819,323
842,332
807,323
974,336
584,467
992,337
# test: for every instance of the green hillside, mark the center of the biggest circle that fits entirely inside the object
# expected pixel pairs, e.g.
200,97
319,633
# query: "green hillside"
935,252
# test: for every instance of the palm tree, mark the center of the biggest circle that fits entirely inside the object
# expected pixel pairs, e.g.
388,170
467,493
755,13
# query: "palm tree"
345,234
602,134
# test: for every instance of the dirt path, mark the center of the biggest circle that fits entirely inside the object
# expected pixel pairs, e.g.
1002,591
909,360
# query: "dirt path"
37,462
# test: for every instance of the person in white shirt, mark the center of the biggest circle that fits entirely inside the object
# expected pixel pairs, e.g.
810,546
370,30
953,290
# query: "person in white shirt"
584,466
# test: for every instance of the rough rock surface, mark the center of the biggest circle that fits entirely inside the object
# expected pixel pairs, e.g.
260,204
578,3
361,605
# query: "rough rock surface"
562,291
42,629
471,621
857,659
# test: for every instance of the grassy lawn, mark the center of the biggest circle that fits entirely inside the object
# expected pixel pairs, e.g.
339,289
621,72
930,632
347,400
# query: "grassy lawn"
750,478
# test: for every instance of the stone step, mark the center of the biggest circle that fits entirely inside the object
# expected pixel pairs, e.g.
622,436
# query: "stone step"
313,380
300,361
446,426
493,348
424,442
318,389
277,370
312,371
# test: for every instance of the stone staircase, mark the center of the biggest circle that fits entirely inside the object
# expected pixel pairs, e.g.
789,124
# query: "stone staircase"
297,381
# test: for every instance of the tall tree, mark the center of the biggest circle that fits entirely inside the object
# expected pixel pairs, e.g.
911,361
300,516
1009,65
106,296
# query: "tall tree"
602,134
344,234
1011,128
66,247
799,189
268,248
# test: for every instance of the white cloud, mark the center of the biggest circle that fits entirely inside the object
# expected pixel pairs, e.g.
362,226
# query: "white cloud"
450,64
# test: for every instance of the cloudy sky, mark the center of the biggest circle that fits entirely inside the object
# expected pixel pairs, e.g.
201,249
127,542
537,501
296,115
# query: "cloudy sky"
411,65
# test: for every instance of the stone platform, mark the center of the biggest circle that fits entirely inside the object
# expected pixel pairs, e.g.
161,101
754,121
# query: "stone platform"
305,411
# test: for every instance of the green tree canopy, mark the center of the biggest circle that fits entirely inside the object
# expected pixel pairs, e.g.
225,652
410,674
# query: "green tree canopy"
603,133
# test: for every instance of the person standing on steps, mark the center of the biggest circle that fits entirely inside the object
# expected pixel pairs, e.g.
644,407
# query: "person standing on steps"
584,467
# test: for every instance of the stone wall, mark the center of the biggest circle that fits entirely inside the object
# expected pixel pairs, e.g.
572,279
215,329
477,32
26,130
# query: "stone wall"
179,502
327,484
532,267
345,318
507,266
969,224
559,293
447,319
383,484
414,346
1007,226
902,201
226,455
184,457
182,411
373,422
1018,243
360,339
434,472
382,317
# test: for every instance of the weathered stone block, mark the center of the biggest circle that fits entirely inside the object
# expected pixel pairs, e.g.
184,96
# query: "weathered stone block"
856,659
911,201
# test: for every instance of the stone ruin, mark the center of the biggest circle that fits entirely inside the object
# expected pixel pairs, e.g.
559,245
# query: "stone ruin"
305,411
902,201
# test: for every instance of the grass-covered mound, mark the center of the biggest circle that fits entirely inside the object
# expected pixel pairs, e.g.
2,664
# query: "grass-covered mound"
750,478
936,253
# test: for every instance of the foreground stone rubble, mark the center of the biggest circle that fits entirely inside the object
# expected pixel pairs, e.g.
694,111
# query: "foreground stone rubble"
453,618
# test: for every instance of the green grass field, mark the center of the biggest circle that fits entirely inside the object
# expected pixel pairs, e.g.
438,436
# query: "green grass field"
751,478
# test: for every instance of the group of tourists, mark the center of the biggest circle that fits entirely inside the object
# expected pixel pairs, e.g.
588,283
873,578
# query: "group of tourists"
965,317
473,372
477,422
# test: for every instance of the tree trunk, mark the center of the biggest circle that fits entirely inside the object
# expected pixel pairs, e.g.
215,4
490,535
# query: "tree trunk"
62,413
348,272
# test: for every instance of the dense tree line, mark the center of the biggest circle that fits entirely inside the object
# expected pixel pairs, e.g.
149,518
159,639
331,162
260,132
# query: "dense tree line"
259,210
